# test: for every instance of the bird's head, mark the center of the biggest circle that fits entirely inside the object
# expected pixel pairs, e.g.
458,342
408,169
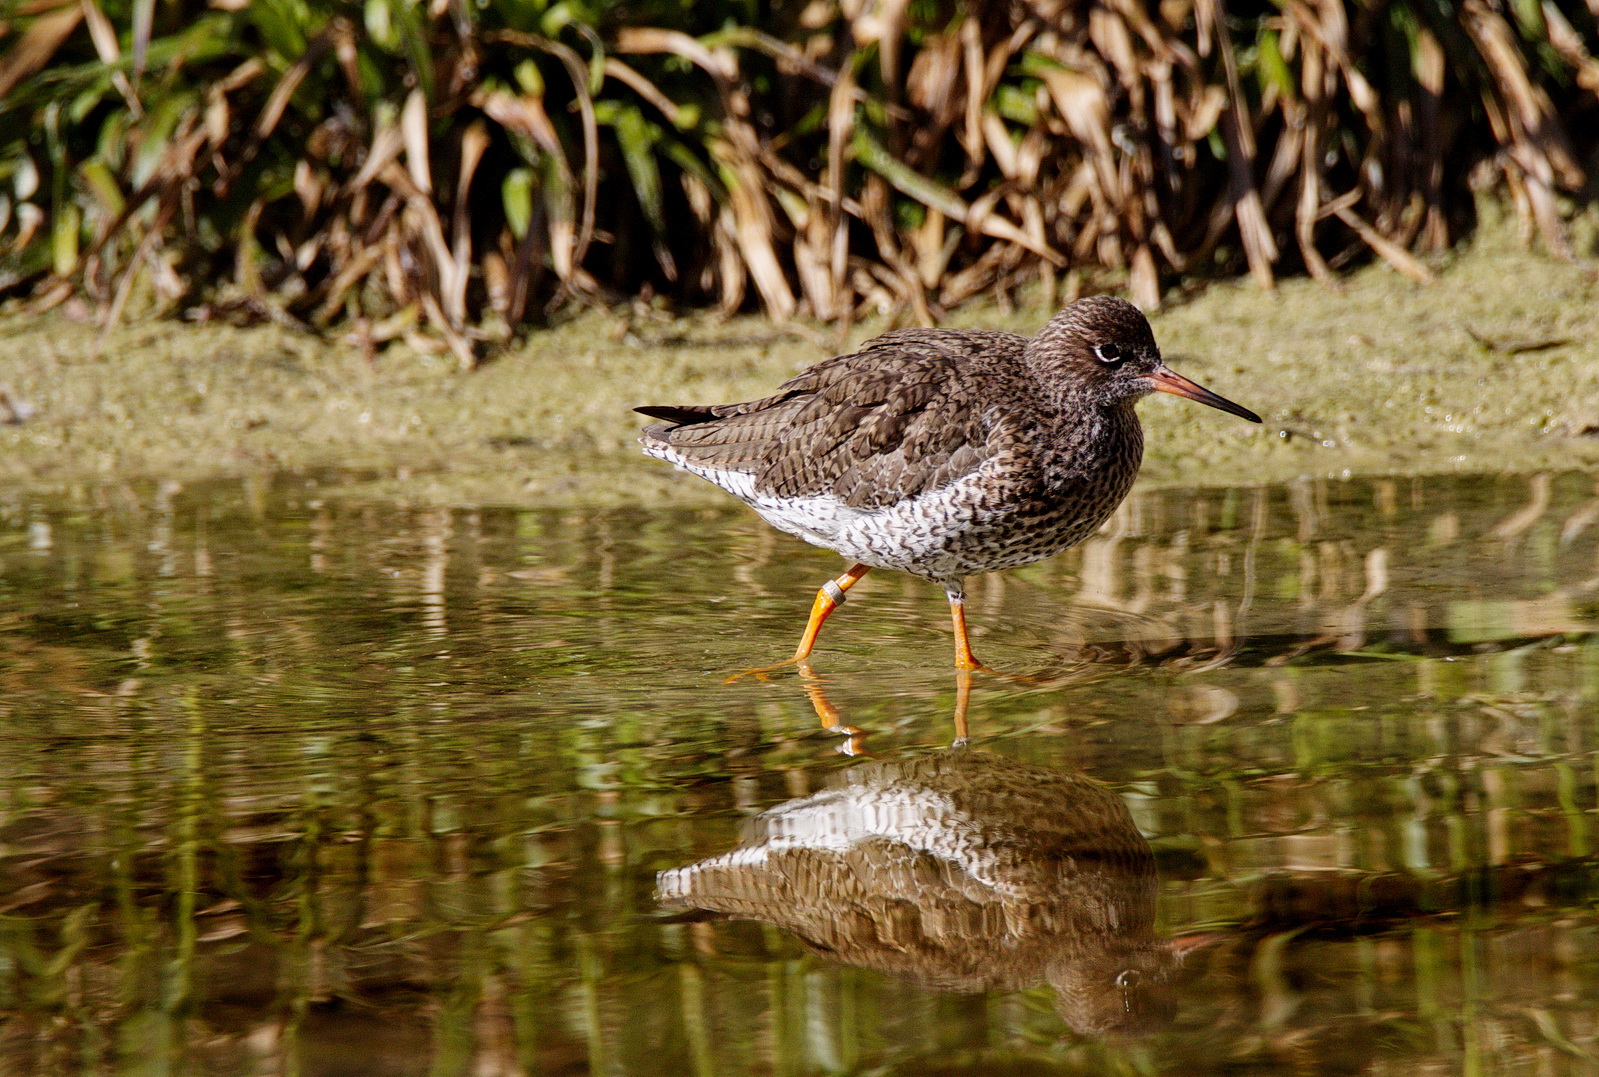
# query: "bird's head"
1101,349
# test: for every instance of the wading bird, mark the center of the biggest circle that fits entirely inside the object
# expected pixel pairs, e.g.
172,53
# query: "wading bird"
940,452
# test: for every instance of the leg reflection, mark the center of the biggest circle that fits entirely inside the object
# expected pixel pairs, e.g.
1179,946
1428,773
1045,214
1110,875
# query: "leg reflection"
963,699
854,742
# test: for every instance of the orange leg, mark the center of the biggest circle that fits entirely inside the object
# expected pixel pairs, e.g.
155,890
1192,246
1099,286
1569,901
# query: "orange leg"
826,602
965,660
828,599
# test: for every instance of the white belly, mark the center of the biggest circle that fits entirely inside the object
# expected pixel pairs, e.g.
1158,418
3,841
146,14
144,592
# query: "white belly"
944,534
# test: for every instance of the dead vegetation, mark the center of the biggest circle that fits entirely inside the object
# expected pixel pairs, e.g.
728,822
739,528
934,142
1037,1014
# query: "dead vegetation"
449,171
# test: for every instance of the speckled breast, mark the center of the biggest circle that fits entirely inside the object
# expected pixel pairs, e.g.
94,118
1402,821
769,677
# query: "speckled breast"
965,527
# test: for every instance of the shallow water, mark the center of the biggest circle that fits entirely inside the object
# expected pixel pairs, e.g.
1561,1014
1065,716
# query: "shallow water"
1289,779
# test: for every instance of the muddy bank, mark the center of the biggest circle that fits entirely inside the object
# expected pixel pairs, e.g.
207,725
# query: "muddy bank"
1494,367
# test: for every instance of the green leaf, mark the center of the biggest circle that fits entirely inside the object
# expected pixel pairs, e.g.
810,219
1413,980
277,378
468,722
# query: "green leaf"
100,182
111,144
1036,63
380,26
872,154
408,18
283,23
1530,20
160,122
530,78
557,18
64,235
1017,103
87,101
637,138
1272,69
371,68
684,158
516,194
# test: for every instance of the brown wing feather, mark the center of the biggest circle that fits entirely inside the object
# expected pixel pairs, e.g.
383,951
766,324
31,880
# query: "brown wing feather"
899,417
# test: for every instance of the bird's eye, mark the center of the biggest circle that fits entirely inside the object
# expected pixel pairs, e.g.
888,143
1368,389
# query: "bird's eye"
1107,353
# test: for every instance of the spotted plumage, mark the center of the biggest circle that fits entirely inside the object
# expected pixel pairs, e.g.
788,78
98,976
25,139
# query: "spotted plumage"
942,453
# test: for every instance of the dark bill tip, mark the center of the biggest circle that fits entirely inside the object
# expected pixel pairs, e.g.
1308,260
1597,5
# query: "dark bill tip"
1166,381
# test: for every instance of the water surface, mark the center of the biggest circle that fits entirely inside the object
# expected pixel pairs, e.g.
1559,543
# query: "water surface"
1290,779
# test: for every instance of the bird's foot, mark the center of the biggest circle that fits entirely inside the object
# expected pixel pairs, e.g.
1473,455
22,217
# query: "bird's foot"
974,666
760,672
854,742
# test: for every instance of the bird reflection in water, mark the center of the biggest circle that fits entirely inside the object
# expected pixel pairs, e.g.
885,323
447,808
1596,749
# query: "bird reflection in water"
960,871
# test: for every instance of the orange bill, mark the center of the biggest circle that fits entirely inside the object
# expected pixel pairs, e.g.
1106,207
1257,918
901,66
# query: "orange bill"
1167,381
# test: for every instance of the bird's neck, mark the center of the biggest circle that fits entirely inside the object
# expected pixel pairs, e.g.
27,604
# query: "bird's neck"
1096,435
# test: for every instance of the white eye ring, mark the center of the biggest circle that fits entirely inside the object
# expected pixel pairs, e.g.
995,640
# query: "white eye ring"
1108,353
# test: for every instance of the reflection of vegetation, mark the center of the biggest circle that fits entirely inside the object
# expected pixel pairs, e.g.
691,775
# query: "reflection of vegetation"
294,785
463,164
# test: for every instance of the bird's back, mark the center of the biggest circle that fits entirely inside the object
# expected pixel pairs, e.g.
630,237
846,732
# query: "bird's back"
908,413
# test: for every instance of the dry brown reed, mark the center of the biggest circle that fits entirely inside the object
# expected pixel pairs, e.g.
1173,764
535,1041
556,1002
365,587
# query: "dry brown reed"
447,172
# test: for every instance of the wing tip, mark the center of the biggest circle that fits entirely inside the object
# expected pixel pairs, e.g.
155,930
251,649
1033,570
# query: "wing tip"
654,436
676,414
